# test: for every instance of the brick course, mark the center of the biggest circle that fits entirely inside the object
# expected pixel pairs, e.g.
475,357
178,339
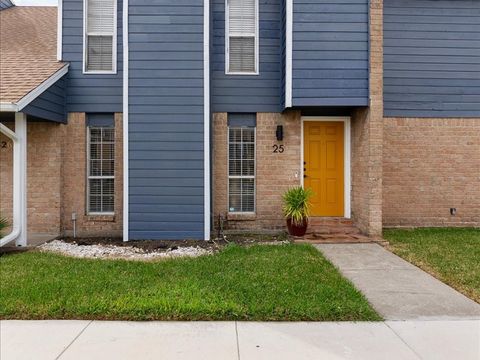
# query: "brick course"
275,172
430,166
43,176
75,176
56,179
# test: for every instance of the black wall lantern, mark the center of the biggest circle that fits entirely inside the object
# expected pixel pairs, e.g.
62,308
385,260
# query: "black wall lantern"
279,132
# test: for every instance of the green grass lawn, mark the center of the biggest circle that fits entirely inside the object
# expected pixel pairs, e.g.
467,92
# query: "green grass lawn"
450,254
288,282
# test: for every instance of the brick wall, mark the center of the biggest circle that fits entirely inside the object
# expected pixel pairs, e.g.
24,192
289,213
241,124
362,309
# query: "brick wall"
430,166
56,179
367,137
6,177
275,172
44,156
74,177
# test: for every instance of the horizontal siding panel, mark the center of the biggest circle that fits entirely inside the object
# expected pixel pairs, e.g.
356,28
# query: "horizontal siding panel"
432,58
166,120
50,105
233,93
171,235
88,92
330,53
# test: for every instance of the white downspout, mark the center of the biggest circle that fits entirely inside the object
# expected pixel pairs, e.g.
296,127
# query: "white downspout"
19,138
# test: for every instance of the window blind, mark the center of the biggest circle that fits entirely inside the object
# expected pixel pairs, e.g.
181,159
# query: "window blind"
100,30
101,169
241,169
242,30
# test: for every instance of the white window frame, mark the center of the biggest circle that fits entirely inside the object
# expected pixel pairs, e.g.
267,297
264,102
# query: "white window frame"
89,177
227,42
114,41
254,177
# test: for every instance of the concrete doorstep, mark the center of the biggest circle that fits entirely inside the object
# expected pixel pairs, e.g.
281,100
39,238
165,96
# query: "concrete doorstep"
63,339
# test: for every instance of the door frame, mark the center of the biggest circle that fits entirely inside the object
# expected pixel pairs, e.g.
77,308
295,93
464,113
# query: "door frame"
346,156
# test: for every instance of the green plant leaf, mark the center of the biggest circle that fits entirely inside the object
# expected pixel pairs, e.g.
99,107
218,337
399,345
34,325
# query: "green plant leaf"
296,204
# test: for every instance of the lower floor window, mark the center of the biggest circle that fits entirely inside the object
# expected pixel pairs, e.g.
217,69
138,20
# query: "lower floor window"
241,169
101,174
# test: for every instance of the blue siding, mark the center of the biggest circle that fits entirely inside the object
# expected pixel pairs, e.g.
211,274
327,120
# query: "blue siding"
5,4
50,105
166,173
432,58
245,93
330,53
87,92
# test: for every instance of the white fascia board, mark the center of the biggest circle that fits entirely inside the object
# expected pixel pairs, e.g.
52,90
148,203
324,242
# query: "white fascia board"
8,107
125,121
32,95
288,53
59,29
206,118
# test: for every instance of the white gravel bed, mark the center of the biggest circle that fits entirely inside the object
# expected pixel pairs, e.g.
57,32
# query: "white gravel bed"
118,252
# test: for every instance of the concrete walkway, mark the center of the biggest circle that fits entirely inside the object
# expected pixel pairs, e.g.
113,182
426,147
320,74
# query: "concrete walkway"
397,289
403,340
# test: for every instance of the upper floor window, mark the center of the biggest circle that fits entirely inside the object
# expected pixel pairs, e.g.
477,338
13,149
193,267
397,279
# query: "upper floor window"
241,41
100,38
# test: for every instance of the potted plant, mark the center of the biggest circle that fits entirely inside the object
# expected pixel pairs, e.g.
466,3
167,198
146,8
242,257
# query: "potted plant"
296,205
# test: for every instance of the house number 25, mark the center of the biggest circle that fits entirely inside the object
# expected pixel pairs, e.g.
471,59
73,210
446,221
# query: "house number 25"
278,148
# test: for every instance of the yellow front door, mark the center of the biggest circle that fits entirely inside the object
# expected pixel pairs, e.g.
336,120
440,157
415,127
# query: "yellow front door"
323,166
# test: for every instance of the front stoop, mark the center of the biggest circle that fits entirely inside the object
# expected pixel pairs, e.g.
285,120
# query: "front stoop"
334,230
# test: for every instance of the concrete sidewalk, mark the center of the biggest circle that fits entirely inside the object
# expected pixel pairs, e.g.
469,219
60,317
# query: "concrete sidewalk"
397,289
57,339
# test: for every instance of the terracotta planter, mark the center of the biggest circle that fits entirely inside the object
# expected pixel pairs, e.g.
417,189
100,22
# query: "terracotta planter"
297,230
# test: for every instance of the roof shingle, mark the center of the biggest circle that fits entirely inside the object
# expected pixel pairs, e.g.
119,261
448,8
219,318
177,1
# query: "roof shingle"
28,50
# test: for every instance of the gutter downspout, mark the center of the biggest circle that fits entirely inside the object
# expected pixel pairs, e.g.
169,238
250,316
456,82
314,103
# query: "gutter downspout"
19,138
125,121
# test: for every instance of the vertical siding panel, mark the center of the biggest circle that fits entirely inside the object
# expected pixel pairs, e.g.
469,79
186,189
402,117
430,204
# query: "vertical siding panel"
166,182
432,58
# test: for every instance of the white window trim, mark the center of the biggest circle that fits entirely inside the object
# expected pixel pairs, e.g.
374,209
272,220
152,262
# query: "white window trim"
107,213
288,53
254,177
346,160
114,42
227,42
59,29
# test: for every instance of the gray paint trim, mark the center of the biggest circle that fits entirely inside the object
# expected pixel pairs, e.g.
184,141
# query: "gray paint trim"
242,120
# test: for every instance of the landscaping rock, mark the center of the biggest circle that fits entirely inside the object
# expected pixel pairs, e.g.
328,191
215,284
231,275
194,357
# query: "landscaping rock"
100,251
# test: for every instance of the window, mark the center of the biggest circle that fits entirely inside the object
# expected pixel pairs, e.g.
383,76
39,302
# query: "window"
101,163
100,36
241,169
242,36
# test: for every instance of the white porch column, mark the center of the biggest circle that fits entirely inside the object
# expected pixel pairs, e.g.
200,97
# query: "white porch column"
20,178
